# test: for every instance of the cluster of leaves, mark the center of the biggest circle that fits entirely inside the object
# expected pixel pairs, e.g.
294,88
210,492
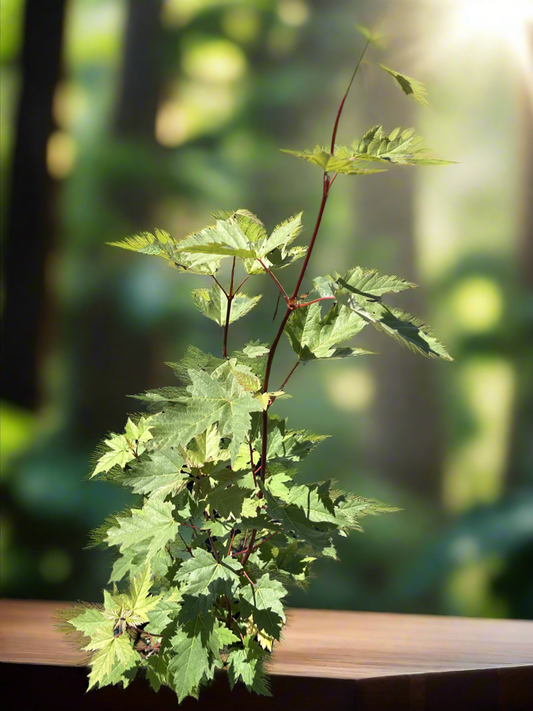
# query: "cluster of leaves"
223,528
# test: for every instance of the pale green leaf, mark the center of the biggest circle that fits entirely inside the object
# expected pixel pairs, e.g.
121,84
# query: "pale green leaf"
213,398
202,578
401,146
161,244
124,448
313,337
153,525
213,303
409,86
348,165
263,601
190,660
373,36
246,665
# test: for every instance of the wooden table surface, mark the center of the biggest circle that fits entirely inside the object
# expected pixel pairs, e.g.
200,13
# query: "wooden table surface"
324,644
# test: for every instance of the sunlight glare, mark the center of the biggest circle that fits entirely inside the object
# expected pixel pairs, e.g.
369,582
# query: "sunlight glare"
508,23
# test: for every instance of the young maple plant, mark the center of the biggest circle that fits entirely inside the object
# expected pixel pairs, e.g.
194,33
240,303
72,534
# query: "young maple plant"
224,529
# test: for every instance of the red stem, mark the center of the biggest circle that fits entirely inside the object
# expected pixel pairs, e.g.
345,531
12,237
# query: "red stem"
247,554
284,383
250,551
290,307
315,301
230,543
228,312
252,463
243,282
219,284
341,107
271,274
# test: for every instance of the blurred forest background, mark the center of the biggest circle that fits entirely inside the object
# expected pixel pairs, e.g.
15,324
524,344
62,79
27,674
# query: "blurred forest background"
121,115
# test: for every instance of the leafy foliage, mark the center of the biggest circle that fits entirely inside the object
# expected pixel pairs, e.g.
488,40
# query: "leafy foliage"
223,528
409,86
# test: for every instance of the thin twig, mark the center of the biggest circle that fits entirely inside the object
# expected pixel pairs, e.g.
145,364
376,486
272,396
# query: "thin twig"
276,280
215,552
228,312
315,301
187,546
341,107
220,285
249,578
231,542
243,282
247,554
284,383
252,462
250,551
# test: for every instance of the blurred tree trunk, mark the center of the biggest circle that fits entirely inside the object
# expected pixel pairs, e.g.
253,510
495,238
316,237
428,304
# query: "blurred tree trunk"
120,353
30,219
521,453
406,443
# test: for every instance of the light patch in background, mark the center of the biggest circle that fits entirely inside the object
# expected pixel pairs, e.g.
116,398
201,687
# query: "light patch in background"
484,32
176,13
351,390
474,472
70,104
241,24
171,126
17,430
198,110
468,589
55,565
94,33
293,13
477,304
214,61
61,151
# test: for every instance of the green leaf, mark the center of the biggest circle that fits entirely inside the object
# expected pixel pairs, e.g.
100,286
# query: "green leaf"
409,86
287,445
247,665
191,659
161,244
112,656
256,350
373,36
124,448
227,239
400,146
349,509
213,303
312,337
294,520
406,329
153,525
111,661
202,578
367,281
159,474
231,501
140,602
213,398
346,164
164,611
264,602
314,500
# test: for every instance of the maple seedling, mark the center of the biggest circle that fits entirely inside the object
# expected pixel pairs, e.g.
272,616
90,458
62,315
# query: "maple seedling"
224,528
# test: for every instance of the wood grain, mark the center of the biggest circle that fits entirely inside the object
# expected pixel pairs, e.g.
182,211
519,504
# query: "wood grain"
318,643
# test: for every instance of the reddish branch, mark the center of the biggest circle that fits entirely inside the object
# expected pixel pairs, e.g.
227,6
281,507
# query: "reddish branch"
228,311
292,303
251,550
